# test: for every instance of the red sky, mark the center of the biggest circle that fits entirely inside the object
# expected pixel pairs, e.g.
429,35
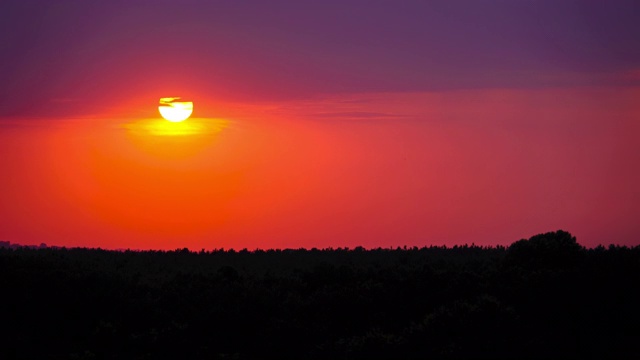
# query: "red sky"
315,126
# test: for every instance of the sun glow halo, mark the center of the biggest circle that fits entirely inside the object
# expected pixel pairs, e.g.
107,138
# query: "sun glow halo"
175,111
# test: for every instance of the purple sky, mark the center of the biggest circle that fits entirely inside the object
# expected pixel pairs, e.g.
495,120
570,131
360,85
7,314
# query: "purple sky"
94,52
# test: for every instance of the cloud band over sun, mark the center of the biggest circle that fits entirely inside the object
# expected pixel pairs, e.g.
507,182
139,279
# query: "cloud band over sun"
173,110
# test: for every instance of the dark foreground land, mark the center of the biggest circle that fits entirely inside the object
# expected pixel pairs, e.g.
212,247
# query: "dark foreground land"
546,297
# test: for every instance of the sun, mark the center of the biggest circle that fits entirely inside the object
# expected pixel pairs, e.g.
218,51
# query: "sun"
175,111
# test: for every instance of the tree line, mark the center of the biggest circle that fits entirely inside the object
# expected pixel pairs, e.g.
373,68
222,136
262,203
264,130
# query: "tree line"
546,296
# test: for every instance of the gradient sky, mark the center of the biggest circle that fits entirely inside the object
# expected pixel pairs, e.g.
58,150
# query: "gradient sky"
324,123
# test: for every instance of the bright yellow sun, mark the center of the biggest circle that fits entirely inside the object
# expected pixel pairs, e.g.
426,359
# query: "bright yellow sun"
175,111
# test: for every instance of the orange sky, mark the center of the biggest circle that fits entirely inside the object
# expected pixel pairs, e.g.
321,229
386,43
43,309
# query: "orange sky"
378,169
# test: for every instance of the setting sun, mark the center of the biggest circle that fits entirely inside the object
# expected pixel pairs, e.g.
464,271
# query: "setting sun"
175,111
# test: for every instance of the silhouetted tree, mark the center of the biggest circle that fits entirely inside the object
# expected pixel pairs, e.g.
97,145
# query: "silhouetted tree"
549,250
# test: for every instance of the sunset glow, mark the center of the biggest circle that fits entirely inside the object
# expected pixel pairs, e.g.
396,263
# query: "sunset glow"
287,174
315,126
193,127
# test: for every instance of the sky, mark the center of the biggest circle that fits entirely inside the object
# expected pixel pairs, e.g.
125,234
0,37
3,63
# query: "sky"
319,123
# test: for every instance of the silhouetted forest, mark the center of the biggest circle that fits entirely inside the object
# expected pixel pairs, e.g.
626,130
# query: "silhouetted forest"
545,297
